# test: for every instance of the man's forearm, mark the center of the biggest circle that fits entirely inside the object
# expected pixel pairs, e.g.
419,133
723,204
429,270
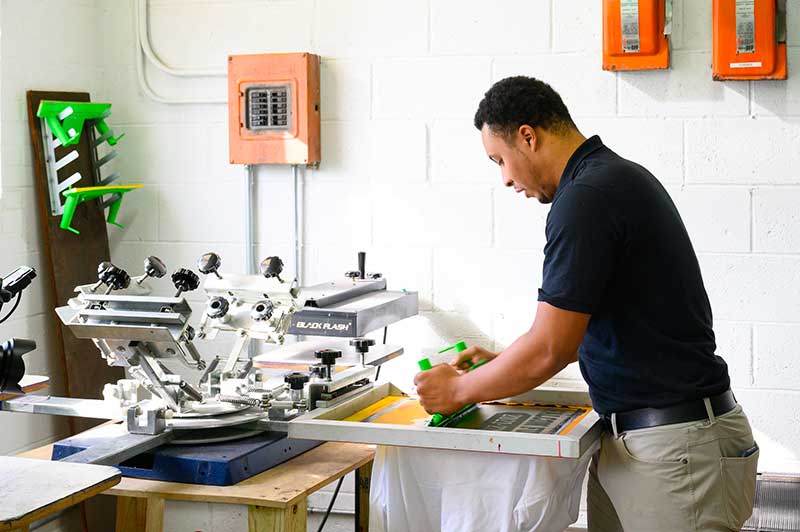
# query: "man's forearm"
524,365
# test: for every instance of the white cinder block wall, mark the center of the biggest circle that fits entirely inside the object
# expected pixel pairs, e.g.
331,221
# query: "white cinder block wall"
45,45
404,175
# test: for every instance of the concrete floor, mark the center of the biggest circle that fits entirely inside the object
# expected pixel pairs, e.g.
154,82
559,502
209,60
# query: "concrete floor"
335,523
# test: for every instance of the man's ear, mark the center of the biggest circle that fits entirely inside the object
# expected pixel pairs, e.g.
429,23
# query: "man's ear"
528,135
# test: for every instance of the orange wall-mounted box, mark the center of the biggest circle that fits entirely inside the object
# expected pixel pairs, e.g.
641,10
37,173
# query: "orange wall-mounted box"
273,109
634,35
747,40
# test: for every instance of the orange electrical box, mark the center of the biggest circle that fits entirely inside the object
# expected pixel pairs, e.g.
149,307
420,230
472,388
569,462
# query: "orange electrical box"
749,39
273,109
635,34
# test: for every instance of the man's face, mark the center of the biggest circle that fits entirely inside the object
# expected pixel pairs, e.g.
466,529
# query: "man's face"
520,160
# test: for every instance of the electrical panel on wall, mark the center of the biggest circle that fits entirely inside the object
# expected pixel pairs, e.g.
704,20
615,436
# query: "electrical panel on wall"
635,34
749,39
273,109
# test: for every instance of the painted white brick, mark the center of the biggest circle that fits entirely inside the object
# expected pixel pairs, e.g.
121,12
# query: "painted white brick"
776,220
218,29
780,98
274,207
792,21
717,218
735,345
519,222
398,151
347,28
138,215
777,363
457,154
338,214
423,215
461,27
343,156
345,89
404,269
686,89
743,151
131,106
596,93
36,25
656,144
217,156
190,213
479,282
775,418
691,25
509,323
429,88
753,287
578,26
163,154
14,175
325,262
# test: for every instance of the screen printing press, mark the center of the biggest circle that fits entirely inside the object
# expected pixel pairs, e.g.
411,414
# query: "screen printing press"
255,408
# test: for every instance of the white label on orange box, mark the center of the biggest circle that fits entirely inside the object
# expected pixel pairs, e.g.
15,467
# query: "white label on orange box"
750,64
745,27
629,15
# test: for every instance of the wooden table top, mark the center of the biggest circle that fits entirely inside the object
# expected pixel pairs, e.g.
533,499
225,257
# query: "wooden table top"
279,487
32,489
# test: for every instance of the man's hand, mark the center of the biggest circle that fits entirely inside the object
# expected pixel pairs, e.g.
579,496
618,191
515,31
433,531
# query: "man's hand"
438,389
471,356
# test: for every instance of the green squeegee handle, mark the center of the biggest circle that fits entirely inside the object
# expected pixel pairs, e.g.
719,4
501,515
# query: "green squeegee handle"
425,365
75,196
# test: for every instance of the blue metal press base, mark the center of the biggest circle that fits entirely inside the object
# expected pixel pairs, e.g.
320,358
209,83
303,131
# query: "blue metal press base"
216,464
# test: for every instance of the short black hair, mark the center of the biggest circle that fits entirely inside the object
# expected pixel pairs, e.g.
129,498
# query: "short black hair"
518,100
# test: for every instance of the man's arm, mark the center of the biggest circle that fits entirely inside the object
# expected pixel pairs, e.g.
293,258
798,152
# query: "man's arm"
548,347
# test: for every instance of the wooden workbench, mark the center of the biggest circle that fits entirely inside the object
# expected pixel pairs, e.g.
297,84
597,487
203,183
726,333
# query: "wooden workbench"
276,499
32,489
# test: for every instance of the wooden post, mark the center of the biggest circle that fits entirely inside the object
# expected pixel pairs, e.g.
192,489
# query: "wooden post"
139,514
363,476
290,519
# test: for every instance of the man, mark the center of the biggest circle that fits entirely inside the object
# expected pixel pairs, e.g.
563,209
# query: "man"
622,294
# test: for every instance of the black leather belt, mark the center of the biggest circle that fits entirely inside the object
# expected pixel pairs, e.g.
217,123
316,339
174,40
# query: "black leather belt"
669,415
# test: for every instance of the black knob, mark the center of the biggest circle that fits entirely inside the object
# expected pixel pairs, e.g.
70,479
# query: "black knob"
115,278
103,266
328,356
185,281
362,345
374,275
296,380
353,275
153,267
272,267
262,310
12,367
362,263
210,263
217,307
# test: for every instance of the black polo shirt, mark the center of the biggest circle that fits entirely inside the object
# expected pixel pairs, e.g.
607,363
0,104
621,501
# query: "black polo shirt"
617,249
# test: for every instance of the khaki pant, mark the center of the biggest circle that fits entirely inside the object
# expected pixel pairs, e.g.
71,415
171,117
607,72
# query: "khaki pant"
683,477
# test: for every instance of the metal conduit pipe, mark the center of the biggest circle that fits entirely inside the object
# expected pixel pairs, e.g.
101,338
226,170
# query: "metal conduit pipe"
144,84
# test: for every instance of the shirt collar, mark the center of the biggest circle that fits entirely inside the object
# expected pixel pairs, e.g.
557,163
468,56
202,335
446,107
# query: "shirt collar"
589,146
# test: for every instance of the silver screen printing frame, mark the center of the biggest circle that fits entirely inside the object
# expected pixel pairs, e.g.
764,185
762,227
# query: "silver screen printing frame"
327,424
